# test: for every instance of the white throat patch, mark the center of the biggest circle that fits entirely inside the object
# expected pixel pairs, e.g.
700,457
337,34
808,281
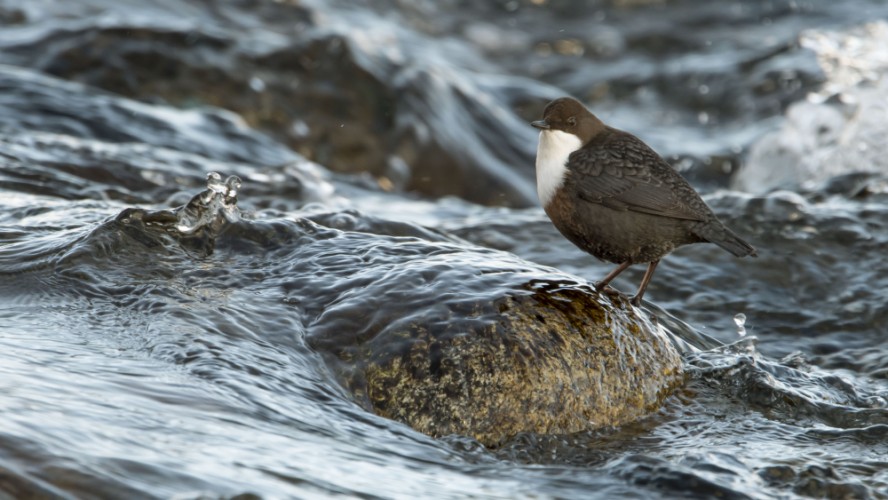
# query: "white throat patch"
551,161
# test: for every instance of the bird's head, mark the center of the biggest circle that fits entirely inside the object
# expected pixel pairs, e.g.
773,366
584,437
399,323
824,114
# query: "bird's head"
568,115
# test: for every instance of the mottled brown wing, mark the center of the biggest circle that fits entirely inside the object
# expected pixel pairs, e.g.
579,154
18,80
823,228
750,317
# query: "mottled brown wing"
625,174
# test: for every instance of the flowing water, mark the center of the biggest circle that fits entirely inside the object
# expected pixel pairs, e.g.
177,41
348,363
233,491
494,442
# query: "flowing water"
157,321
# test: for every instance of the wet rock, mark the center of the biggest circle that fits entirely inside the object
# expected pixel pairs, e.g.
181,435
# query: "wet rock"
554,362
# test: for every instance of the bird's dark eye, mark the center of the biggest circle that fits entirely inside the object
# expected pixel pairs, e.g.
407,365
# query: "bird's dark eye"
572,121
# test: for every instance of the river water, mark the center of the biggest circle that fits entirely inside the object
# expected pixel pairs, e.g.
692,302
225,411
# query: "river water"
383,140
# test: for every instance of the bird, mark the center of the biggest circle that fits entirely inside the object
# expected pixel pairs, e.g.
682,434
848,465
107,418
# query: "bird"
614,197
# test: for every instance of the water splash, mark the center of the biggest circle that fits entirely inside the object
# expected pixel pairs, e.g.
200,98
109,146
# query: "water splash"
212,207
196,225
823,137
849,58
740,321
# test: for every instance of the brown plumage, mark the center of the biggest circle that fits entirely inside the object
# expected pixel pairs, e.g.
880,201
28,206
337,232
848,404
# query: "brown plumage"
611,195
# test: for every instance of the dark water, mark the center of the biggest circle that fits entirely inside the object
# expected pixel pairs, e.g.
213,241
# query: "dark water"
144,355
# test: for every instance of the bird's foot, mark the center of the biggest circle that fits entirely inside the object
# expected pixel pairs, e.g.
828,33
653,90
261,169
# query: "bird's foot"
609,291
602,286
635,301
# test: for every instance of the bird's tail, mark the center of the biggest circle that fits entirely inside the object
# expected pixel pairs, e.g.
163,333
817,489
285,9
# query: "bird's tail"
726,239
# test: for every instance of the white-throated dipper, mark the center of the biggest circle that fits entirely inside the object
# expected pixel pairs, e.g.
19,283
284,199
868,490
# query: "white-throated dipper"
611,195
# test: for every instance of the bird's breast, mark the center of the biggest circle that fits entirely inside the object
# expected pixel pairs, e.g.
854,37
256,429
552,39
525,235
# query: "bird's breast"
553,151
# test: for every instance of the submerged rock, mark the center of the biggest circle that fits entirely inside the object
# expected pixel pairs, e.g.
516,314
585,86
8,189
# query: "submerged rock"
329,88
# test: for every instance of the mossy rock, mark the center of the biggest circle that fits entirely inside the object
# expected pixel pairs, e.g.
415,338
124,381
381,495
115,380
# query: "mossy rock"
559,360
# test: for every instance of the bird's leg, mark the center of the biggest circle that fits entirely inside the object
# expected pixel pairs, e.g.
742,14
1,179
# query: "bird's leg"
613,274
636,301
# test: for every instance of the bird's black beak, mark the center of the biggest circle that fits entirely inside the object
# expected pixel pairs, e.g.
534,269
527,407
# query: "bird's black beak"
541,124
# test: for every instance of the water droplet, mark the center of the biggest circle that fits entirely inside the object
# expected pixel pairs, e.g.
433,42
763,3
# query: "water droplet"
740,321
300,129
214,182
232,185
257,84
233,182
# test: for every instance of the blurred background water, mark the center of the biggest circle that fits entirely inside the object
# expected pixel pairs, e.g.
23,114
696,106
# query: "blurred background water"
139,365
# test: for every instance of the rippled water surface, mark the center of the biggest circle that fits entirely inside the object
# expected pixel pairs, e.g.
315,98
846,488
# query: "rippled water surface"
160,340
